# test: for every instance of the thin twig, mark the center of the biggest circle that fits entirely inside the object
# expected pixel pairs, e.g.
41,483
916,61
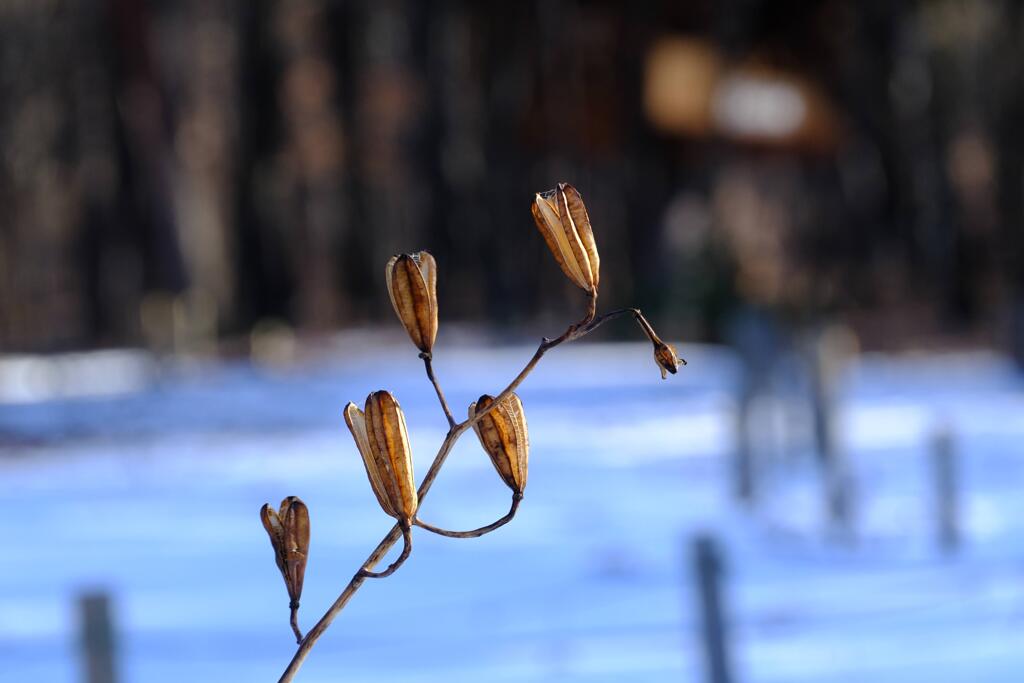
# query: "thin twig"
294,607
406,550
475,533
588,324
428,364
640,320
635,312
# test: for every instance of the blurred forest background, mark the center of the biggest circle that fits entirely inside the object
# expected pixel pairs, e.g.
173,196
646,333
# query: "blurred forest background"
190,185
179,174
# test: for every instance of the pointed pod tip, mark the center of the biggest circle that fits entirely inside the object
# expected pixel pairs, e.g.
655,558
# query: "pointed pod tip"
382,395
352,415
272,524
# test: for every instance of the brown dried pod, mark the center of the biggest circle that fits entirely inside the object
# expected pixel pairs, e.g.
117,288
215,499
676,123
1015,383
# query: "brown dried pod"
288,529
664,354
502,433
562,219
383,442
412,285
666,358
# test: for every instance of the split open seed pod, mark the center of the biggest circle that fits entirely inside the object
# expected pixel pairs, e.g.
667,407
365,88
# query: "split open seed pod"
562,219
288,529
502,433
412,285
383,442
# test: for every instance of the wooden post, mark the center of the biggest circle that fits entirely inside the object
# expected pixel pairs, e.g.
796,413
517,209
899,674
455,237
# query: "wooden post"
708,572
946,490
97,638
830,351
743,459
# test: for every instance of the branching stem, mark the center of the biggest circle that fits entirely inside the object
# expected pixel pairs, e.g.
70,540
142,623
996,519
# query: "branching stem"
294,607
428,364
406,531
590,322
475,533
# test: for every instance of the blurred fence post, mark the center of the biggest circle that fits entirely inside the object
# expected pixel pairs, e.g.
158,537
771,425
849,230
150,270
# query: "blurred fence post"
831,350
708,573
1017,328
97,638
835,477
946,489
755,335
743,459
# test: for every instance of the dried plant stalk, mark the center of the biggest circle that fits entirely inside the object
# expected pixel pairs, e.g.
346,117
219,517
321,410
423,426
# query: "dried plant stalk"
499,421
572,333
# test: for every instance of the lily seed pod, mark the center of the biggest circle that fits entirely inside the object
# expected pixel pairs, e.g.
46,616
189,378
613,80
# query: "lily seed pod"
666,358
502,433
412,285
383,443
288,529
562,219
664,354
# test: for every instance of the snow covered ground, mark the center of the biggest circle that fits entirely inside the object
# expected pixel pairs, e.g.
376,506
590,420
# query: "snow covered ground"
152,491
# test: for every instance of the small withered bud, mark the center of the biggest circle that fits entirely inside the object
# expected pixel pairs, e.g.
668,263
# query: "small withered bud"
383,443
562,219
502,433
664,354
288,529
412,285
666,358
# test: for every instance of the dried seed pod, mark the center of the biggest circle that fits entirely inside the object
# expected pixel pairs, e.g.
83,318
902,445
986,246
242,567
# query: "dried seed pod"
502,433
562,219
412,285
288,529
664,354
383,443
666,358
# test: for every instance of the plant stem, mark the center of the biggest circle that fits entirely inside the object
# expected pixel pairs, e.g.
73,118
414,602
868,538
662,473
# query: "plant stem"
294,606
588,324
637,315
406,550
640,320
475,533
428,364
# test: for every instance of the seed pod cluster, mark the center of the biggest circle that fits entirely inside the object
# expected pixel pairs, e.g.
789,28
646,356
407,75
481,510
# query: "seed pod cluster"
380,432
562,219
288,528
502,433
383,442
412,286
